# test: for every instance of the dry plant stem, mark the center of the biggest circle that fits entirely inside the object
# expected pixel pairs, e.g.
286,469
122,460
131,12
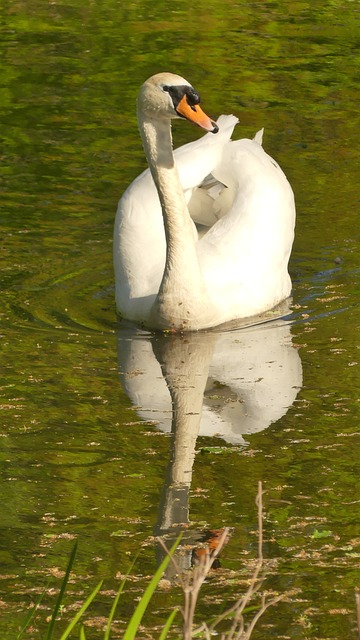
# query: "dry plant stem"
264,606
357,602
237,630
239,607
237,626
205,629
259,505
193,582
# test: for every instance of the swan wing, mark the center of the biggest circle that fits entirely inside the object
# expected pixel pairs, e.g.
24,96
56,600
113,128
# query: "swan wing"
196,162
197,159
244,255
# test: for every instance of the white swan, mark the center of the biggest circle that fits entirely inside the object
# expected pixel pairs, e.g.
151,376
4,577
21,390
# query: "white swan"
170,276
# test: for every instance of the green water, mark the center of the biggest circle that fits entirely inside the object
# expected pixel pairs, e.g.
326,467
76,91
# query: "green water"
80,457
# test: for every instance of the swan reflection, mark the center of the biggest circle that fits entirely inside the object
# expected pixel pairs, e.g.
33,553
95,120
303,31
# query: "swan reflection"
229,384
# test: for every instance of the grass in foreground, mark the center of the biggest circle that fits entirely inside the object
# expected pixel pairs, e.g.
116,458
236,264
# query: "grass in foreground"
190,582
233,619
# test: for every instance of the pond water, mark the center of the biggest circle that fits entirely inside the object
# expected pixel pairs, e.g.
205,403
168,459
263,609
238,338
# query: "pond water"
86,412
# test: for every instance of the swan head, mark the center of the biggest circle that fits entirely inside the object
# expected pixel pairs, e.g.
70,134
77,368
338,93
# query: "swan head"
168,96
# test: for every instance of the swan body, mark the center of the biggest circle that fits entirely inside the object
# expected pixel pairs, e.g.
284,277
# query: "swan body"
171,274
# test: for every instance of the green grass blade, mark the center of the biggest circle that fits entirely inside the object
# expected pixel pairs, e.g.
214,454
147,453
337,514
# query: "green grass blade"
115,603
31,614
168,624
112,612
82,633
76,619
136,618
61,593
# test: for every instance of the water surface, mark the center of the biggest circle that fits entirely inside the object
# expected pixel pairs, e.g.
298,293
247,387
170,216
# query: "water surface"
86,414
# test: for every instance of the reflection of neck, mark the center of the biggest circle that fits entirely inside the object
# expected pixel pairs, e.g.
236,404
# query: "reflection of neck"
182,286
185,364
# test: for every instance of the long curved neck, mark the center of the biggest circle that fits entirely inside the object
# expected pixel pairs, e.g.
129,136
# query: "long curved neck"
157,141
182,286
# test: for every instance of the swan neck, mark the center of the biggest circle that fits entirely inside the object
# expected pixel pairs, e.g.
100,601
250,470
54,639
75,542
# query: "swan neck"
157,142
182,287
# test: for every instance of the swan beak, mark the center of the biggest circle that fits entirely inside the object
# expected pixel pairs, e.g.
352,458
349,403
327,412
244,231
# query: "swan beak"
196,114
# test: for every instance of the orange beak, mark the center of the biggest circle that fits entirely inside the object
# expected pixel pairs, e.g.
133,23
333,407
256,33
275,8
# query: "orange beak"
196,114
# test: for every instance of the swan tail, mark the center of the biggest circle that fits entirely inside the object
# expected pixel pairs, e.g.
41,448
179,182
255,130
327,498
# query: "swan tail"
258,137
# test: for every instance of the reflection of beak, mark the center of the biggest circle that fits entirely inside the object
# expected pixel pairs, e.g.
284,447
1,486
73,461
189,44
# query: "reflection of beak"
196,114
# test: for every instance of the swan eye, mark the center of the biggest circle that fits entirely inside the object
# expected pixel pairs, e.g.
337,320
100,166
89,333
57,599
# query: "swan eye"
192,98
179,92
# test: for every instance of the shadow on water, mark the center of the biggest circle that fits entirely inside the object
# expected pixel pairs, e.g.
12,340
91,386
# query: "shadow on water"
226,384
